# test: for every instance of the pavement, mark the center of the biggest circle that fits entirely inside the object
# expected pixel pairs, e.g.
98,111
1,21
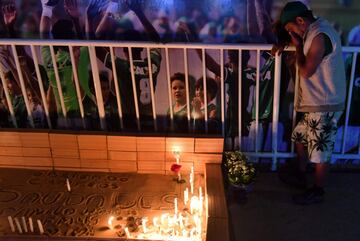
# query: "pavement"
268,214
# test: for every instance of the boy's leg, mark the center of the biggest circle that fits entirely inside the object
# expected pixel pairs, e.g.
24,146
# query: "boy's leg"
320,174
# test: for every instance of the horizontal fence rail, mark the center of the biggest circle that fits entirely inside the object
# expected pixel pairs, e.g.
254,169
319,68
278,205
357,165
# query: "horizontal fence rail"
139,65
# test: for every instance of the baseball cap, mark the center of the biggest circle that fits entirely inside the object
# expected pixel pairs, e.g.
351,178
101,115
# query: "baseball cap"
293,10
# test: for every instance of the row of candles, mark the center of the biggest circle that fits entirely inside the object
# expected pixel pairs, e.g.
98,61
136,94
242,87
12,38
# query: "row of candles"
23,225
174,226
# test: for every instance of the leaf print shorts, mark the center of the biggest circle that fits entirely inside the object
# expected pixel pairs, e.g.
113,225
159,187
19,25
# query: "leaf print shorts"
317,131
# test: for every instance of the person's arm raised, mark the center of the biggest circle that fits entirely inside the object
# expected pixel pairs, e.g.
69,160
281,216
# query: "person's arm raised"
210,63
135,6
46,17
71,7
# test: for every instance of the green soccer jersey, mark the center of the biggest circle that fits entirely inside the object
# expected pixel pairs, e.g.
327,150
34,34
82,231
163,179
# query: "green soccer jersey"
266,93
142,82
66,77
232,91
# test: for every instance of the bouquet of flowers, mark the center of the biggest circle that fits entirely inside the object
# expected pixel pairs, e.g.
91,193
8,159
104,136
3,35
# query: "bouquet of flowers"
239,170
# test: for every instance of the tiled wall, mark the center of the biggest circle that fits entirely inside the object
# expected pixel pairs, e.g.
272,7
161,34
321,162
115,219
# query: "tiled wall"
105,153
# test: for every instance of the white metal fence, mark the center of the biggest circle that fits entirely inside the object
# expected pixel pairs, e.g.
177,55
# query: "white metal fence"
33,47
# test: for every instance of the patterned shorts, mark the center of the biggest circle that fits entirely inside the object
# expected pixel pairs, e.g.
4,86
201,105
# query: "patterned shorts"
317,131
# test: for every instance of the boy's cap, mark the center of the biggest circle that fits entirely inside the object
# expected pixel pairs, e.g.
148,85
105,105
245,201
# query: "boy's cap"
291,11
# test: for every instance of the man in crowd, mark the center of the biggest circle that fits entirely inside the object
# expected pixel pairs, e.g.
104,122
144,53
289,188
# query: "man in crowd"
65,29
141,70
322,92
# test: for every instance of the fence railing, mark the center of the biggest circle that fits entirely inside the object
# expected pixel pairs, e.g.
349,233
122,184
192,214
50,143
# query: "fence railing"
25,53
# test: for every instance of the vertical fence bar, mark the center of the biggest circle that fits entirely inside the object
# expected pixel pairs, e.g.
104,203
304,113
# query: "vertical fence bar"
276,107
22,85
222,84
117,89
240,96
134,87
97,86
348,104
296,96
8,98
58,84
41,85
257,94
152,92
205,89
77,86
187,86
169,86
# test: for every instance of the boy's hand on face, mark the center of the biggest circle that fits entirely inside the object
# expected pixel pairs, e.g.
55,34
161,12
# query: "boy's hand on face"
295,39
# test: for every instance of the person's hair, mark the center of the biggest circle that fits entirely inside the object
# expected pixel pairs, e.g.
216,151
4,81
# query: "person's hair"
177,76
63,29
211,86
283,38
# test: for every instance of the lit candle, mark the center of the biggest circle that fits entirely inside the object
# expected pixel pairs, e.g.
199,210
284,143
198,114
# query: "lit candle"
127,233
186,196
181,223
11,223
163,217
192,180
31,225
18,225
194,204
155,221
24,224
143,223
176,205
110,220
68,184
41,229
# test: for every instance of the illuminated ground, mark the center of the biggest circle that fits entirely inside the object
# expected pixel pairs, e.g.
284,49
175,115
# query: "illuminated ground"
269,215
84,211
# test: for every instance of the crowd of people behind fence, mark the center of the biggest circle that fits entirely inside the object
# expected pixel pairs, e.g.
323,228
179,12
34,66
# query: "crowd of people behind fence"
242,21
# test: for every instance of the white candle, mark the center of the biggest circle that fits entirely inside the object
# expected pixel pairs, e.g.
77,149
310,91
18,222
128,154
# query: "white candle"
155,221
11,223
18,225
31,225
176,205
194,204
24,224
200,192
192,179
186,196
143,223
110,220
41,229
163,217
127,233
68,184
181,223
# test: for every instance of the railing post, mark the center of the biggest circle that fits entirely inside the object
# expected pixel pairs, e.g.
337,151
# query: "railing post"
153,105
8,98
77,86
97,86
22,85
41,85
117,89
132,71
276,107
